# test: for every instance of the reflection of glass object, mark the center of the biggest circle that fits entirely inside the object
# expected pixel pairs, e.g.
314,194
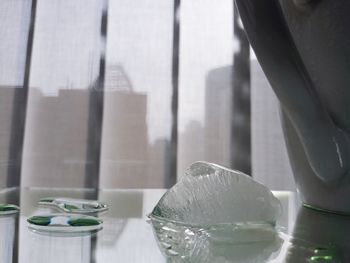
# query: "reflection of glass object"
71,205
55,248
8,232
230,243
64,223
319,237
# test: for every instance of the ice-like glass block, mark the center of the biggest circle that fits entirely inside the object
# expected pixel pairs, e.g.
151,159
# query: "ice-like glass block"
211,194
214,213
224,244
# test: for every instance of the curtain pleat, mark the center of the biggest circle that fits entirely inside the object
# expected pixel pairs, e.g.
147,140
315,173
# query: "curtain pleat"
241,113
120,93
137,131
64,72
15,17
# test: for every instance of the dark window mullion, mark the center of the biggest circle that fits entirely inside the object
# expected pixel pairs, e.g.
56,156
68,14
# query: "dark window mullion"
171,173
241,117
18,119
95,119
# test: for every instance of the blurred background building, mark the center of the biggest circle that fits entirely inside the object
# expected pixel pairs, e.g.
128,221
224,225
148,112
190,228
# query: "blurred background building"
128,93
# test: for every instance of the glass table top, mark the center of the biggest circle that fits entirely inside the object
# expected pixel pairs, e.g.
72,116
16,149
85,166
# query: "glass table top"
303,235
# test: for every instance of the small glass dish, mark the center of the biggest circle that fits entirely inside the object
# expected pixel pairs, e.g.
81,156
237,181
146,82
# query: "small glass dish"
72,205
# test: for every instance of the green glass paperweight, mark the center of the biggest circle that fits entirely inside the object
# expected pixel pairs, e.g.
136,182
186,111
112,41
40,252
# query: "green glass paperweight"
64,223
8,209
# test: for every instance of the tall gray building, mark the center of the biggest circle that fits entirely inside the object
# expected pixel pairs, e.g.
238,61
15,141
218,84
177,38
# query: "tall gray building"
56,139
218,115
9,148
124,152
269,156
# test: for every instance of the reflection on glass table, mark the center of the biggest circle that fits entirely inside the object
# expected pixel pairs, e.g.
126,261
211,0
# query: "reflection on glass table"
301,234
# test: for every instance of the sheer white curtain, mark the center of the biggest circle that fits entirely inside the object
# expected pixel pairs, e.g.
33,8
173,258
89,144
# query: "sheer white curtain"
126,94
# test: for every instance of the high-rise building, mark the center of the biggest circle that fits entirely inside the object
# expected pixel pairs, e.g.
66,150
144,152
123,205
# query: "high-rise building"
9,148
124,152
218,116
56,139
269,156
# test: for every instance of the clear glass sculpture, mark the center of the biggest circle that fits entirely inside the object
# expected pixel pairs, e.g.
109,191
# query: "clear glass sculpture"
213,208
